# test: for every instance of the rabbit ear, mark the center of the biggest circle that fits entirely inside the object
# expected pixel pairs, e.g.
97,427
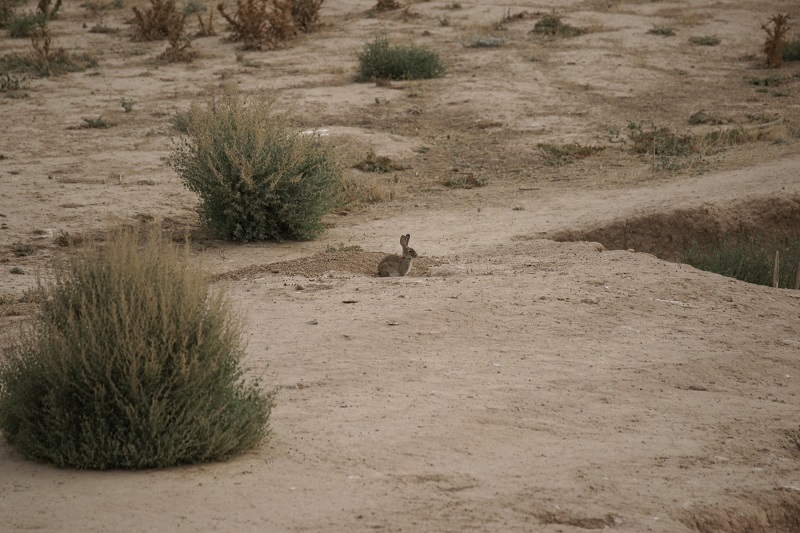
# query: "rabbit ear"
404,240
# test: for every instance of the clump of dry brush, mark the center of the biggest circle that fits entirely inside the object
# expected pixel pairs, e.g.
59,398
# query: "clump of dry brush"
268,24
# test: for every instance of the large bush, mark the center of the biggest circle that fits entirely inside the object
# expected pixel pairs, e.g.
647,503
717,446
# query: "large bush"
380,59
256,177
133,363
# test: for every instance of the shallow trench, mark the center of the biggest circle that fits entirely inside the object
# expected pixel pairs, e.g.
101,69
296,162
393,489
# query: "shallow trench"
669,234
770,512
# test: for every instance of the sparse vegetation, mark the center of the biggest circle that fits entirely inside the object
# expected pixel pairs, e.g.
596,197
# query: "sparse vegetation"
256,178
750,259
705,40
702,117
13,86
343,248
376,163
774,44
133,363
484,42
670,151
7,11
206,27
102,28
96,123
464,181
387,5
127,104
664,31
566,153
268,24
179,49
552,25
791,50
44,60
382,60
21,26
768,81
156,22
193,6
358,190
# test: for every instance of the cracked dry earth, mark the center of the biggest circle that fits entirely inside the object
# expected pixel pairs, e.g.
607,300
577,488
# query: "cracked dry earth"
545,367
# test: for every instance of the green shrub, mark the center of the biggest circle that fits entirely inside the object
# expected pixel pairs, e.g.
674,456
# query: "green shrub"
672,151
749,259
133,363
552,25
791,51
7,8
21,26
257,179
380,60
705,40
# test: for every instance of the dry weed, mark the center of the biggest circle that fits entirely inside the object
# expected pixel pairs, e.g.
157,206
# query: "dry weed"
261,24
155,22
206,27
179,49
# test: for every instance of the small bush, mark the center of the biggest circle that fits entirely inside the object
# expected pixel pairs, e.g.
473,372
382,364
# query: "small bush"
751,259
705,40
7,11
267,24
257,179
381,60
21,26
45,60
156,22
791,50
670,151
552,25
664,31
305,14
180,48
132,363
387,5
98,123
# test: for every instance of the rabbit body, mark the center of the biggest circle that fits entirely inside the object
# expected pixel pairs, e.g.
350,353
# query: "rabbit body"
398,265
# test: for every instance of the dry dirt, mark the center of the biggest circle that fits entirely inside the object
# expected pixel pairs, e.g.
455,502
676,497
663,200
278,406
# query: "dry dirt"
512,382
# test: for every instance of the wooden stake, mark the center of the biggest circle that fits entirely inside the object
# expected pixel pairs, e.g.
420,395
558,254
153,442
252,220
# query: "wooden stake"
775,271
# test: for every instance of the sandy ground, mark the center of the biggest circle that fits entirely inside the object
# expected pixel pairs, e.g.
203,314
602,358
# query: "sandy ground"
512,382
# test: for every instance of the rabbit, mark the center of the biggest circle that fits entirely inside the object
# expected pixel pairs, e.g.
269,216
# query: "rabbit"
398,265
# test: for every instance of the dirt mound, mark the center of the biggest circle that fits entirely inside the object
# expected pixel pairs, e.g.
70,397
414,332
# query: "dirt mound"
669,234
353,262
